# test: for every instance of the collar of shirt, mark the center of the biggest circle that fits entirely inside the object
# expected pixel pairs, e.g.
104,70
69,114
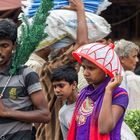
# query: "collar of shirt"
5,70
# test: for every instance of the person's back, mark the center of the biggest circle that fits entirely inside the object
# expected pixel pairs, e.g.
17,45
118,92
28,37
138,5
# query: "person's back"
65,80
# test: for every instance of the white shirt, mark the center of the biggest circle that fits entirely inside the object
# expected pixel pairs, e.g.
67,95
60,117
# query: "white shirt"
65,116
133,82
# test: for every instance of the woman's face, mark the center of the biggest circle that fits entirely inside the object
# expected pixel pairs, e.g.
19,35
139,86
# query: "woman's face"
129,63
93,74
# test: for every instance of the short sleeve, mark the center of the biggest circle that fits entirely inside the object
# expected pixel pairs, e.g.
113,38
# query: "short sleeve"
31,79
120,97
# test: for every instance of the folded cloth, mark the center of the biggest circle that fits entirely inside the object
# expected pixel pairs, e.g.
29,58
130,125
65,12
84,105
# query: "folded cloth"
93,6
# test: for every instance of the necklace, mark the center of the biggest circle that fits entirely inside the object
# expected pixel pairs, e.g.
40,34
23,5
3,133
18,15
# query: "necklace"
8,80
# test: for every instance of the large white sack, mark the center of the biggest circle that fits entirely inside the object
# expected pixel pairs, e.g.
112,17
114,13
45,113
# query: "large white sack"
64,22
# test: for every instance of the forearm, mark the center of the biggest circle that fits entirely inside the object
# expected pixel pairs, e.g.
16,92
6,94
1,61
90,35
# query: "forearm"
38,116
82,30
106,123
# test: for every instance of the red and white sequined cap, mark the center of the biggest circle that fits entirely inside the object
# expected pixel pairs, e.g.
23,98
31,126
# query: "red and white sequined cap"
102,55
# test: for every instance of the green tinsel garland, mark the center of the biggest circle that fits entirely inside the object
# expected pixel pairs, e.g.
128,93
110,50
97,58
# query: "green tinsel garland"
31,34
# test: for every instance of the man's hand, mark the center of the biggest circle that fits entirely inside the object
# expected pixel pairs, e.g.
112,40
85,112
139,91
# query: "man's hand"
114,82
75,5
2,109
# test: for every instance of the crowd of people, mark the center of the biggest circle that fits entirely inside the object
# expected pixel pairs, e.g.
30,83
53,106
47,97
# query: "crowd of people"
78,87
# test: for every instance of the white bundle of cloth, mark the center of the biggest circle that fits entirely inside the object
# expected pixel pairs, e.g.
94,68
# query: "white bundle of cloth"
62,23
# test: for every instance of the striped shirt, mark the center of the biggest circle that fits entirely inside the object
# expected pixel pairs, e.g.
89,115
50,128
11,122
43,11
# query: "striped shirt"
17,96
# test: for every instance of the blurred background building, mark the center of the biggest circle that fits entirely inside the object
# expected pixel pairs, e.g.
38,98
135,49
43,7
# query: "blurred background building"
124,17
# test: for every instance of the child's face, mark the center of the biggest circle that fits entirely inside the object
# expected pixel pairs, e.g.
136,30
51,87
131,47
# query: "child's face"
6,47
93,74
63,90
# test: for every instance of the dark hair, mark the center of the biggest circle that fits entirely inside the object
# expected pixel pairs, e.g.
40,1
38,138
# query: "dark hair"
108,37
66,73
8,30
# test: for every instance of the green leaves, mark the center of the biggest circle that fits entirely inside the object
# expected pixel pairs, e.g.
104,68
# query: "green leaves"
132,119
30,35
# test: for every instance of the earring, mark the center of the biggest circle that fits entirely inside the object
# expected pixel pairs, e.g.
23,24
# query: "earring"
106,75
13,51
